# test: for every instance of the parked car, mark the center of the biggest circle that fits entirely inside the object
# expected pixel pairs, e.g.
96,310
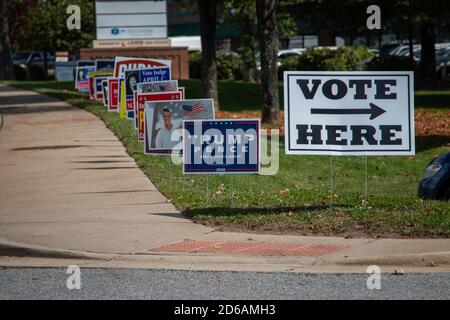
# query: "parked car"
443,63
282,54
27,59
291,52
435,183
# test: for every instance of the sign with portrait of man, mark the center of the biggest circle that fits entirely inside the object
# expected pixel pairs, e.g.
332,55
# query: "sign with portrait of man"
142,99
163,122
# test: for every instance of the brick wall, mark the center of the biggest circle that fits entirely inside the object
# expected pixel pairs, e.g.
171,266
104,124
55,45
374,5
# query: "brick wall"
178,55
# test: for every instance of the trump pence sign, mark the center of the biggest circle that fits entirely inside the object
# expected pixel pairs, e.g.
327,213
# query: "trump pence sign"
349,113
221,146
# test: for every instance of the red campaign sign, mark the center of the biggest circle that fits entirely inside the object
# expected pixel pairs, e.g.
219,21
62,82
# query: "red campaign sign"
181,89
142,98
130,104
113,92
91,88
122,64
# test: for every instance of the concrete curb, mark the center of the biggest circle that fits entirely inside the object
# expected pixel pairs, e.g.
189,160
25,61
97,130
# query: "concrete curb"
16,249
418,259
10,248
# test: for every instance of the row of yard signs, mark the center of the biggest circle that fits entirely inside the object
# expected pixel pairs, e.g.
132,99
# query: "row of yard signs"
142,90
326,113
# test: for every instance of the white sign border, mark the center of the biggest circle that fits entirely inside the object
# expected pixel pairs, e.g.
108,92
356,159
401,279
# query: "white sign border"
226,172
408,152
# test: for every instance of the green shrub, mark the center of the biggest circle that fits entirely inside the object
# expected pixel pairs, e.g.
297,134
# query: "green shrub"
342,59
195,65
289,63
20,73
229,66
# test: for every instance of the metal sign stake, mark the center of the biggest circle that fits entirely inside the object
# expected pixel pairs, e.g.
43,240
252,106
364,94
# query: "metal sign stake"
365,182
331,182
207,190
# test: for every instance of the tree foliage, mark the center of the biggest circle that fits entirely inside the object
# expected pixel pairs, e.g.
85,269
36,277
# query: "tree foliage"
41,25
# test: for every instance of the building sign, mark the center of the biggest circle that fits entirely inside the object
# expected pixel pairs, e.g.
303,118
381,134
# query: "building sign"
221,146
138,19
349,113
102,44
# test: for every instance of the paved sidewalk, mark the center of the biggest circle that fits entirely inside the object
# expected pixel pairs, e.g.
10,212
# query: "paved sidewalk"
66,182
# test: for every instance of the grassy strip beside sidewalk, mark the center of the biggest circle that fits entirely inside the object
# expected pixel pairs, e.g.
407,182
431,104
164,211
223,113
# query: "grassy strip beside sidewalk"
297,199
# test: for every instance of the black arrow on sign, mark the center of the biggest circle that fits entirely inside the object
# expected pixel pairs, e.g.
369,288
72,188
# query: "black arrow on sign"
374,111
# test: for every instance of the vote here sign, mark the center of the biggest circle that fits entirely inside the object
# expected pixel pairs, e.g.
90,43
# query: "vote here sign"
349,113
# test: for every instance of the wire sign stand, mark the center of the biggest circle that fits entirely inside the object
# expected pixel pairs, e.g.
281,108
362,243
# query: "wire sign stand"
331,182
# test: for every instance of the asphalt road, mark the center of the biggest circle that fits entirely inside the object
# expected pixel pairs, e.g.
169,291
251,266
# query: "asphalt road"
51,283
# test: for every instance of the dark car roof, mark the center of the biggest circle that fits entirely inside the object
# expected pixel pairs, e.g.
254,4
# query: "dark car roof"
443,158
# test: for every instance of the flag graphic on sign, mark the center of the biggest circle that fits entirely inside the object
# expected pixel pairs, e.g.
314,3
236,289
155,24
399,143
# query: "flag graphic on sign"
193,110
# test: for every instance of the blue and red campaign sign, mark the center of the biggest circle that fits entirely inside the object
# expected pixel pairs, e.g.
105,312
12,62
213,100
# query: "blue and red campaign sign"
221,146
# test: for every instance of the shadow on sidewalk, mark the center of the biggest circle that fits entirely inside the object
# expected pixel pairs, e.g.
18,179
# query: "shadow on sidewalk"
35,109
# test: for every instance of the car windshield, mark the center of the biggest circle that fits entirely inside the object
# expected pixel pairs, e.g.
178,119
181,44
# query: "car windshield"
287,54
20,55
441,53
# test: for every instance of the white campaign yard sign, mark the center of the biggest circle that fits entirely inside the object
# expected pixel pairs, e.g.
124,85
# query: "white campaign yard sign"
349,113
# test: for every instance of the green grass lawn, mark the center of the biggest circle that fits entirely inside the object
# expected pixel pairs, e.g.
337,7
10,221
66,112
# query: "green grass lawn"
297,199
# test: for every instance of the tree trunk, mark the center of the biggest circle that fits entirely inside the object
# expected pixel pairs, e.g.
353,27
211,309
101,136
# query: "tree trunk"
428,62
207,10
410,33
410,39
248,45
380,39
45,66
268,42
6,66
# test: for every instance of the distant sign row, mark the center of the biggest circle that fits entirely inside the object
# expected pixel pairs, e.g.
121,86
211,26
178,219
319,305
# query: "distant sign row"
141,90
